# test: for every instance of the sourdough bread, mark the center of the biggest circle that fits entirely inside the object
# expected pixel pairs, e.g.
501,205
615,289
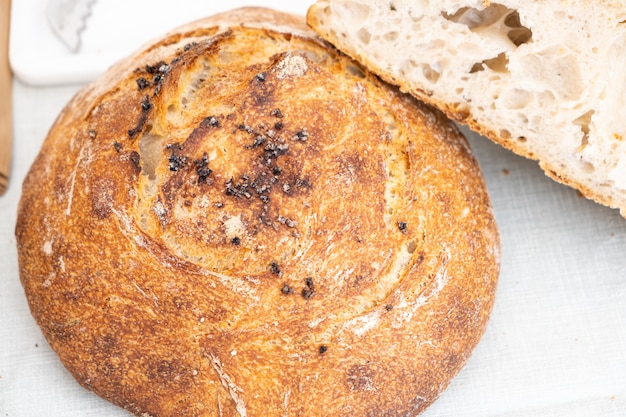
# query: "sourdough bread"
545,79
238,220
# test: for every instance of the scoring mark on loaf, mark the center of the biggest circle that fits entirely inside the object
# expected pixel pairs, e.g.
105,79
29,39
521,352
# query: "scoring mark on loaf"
406,308
84,158
362,324
234,391
366,317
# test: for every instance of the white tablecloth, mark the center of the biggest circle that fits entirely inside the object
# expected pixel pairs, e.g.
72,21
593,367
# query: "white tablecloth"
555,345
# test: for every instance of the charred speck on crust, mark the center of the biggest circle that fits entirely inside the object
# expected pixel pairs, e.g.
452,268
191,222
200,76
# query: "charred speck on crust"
135,158
275,268
219,205
202,169
303,183
276,113
309,290
260,189
160,66
210,121
142,83
236,241
258,141
273,150
278,125
157,71
402,226
302,135
388,307
323,349
287,289
146,106
287,221
261,77
246,128
239,189
176,160
117,146
189,46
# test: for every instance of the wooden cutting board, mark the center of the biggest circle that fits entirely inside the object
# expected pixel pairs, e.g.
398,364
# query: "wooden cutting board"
6,114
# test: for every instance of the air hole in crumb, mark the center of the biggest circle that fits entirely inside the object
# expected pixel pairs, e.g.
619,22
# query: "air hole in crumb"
477,67
150,149
495,18
364,36
498,64
505,134
517,99
584,121
588,167
430,73
391,36
518,34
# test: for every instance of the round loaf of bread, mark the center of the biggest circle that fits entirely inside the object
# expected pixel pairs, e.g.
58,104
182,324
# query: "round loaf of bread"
238,220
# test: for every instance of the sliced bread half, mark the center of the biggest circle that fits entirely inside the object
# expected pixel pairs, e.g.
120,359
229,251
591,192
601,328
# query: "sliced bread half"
546,79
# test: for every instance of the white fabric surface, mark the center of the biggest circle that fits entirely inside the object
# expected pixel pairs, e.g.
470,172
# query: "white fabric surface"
555,345
38,57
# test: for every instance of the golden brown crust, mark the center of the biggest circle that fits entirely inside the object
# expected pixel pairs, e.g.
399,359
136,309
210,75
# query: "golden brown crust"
240,221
